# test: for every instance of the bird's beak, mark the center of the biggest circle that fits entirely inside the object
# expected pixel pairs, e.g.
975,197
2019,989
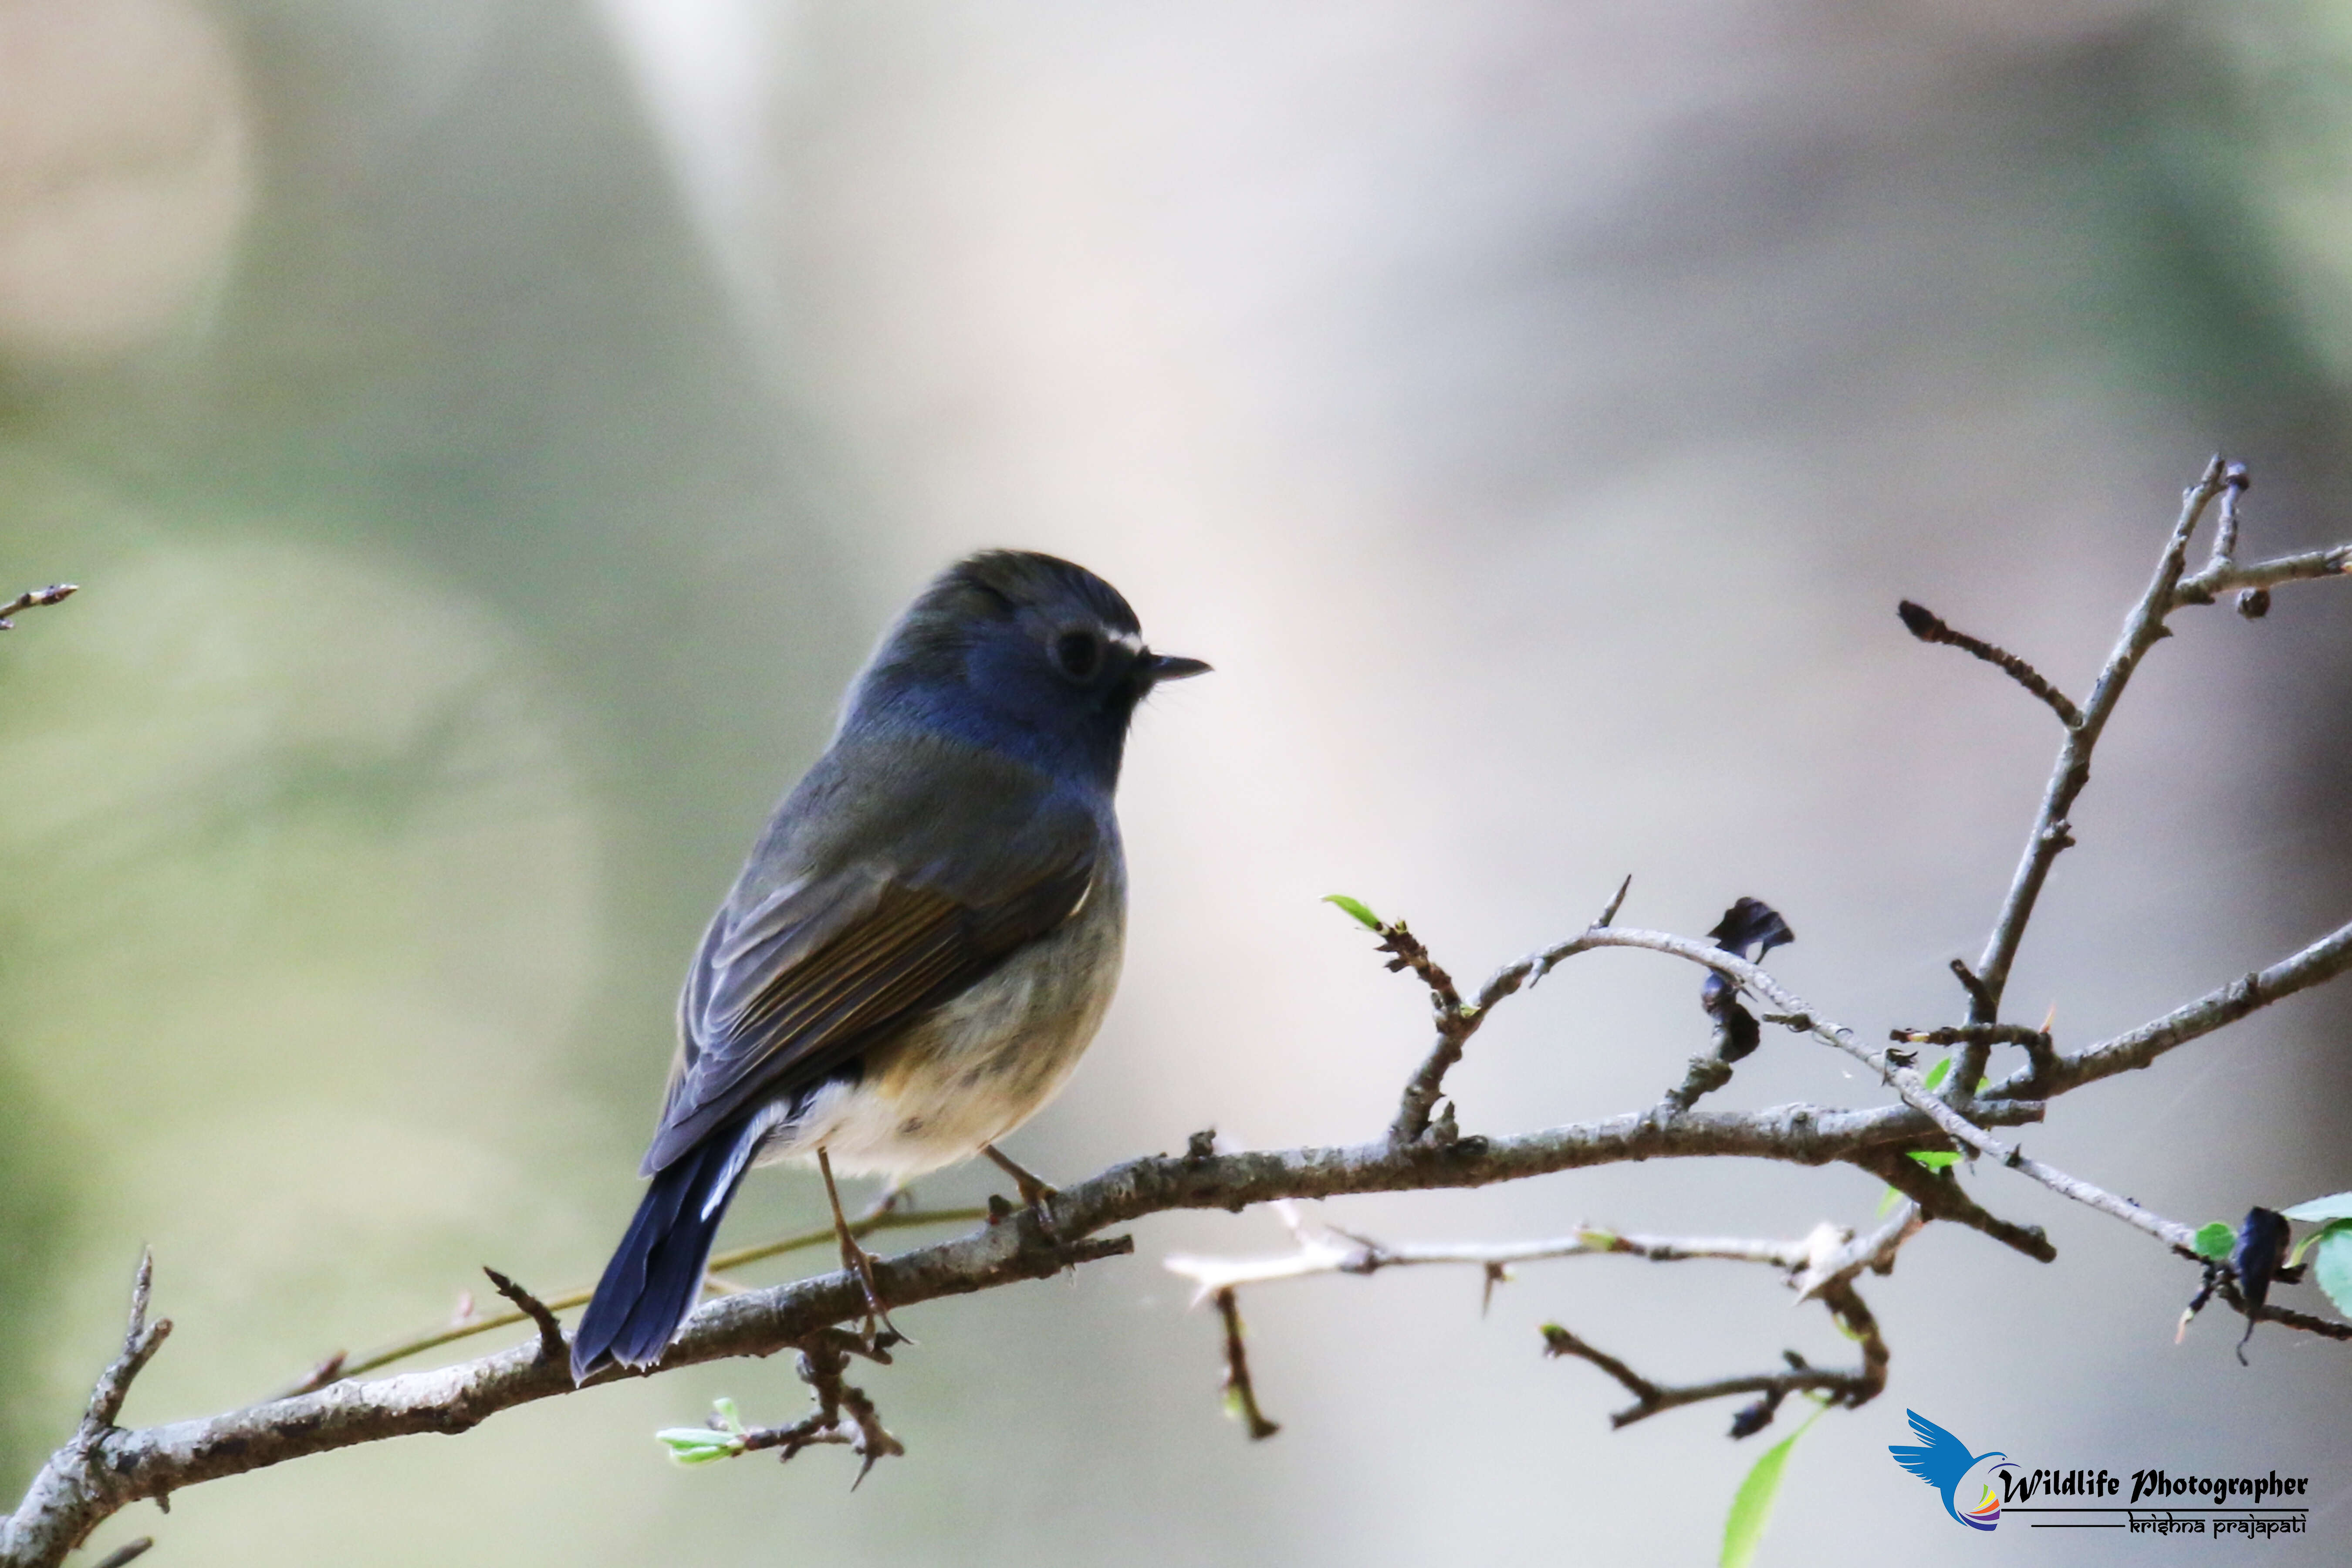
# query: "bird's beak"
1155,668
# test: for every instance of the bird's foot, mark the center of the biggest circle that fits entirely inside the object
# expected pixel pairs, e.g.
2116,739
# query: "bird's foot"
1038,1195
880,1332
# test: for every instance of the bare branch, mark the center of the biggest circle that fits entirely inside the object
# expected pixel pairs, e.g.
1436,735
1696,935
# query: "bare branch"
2324,959
141,1340
2050,835
1241,1394
1457,1021
2308,565
1940,1197
550,1332
129,1551
2180,1236
341,1365
1850,1388
843,1413
77,1488
1456,1024
1924,624
1796,1013
1325,1250
32,598
2326,1327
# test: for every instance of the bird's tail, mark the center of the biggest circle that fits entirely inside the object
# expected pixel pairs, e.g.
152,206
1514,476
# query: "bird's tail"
656,1274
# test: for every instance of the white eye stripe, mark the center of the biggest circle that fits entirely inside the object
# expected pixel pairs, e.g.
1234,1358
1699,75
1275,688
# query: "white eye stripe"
1129,641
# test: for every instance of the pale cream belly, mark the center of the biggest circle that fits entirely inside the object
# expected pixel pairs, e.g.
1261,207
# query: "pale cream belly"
980,1064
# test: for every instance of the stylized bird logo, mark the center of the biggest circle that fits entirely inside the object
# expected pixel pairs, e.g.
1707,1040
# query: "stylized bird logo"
1943,1461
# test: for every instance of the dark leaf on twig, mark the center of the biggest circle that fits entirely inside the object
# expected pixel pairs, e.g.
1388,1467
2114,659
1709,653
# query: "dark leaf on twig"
2261,1247
1751,922
1753,1418
1737,1033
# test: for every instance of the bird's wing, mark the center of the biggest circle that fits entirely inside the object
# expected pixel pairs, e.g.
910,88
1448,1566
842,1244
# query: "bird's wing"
1942,1460
788,988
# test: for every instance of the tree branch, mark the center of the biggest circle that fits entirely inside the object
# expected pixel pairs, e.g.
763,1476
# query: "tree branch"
1241,1393
2142,628
1941,1197
339,1365
32,598
2324,959
1925,625
1326,1249
1849,1388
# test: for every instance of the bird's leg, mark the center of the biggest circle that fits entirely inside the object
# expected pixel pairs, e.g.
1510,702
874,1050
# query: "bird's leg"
1036,1193
858,1261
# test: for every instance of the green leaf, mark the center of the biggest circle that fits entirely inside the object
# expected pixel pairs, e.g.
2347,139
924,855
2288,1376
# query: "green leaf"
1887,1199
2334,1268
699,1445
2308,1242
2215,1241
2336,1205
1936,1159
706,1445
1937,1074
1751,1506
1370,920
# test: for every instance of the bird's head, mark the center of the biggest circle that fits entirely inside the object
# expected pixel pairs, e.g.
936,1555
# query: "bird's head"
1025,652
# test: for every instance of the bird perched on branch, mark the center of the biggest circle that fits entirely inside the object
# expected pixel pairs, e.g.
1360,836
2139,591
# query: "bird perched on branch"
924,939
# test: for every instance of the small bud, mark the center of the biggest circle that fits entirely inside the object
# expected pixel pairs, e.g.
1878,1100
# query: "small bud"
2254,604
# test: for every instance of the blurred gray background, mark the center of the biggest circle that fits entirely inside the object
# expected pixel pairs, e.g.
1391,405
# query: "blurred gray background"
490,432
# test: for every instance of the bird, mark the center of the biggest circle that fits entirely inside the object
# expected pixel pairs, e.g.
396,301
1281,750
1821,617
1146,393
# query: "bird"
924,939
1943,1463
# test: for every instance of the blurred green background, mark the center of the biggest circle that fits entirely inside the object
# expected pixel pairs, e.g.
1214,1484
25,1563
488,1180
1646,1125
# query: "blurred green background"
490,432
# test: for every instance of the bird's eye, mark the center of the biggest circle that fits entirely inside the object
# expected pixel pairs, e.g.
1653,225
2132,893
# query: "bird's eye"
1078,653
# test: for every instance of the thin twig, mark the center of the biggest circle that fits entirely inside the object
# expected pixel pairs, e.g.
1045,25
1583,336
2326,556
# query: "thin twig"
141,1340
2051,834
1850,1388
550,1332
2324,959
129,1551
1241,1394
2041,1053
2326,1327
1925,625
32,598
1988,1033
340,1365
1757,983
1456,1024
1940,1197
1324,1249
2308,565
2168,1231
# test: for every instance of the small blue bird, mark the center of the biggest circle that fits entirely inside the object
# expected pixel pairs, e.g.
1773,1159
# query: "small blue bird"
1944,1463
924,939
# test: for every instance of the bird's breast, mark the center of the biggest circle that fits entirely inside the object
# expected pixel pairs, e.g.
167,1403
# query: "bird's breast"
972,1068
